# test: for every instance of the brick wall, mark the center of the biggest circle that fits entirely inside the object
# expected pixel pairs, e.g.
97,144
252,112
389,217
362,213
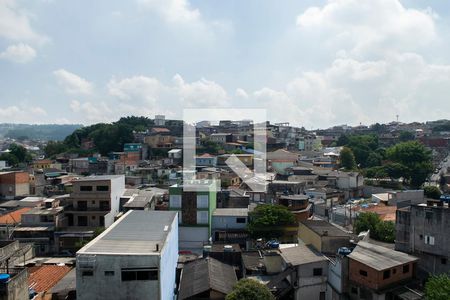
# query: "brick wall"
374,278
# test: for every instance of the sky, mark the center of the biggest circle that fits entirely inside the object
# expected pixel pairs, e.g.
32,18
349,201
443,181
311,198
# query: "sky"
311,63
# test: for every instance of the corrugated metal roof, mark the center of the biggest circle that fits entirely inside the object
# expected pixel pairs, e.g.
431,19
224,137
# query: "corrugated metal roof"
378,257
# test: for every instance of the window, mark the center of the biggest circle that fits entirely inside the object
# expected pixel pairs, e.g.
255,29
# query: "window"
93,202
386,274
202,201
443,261
82,205
317,272
405,269
322,296
87,273
202,217
109,273
240,220
139,274
363,273
82,221
429,240
175,201
394,271
354,290
86,188
93,217
102,188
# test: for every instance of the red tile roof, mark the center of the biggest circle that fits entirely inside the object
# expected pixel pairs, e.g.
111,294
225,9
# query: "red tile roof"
14,217
43,278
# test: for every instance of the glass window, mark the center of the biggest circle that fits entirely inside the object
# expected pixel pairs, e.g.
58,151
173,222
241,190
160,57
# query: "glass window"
86,188
109,273
102,188
202,201
202,217
240,220
363,273
175,201
386,274
317,271
140,274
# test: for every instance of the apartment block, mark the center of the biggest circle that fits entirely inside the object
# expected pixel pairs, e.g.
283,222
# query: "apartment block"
195,207
13,184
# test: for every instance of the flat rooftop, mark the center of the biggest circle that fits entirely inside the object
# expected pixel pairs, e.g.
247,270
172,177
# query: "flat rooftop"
137,232
230,212
323,228
100,177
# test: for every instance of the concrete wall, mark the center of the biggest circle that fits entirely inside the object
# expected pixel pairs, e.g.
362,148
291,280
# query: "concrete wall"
100,286
193,237
309,237
169,259
227,222
309,286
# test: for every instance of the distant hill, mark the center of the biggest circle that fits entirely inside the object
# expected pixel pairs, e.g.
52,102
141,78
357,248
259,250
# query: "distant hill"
37,132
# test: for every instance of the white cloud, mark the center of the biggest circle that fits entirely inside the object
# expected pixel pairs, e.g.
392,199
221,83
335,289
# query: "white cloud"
370,27
241,93
136,88
19,53
15,23
73,83
203,93
23,113
172,11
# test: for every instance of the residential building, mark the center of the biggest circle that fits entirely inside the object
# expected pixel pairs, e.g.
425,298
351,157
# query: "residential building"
323,236
195,206
42,279
230,225
298,204
160,120
221,138
13,184
95,200
93,204
135,258
206,159
38,226
374,269
306,271
421,230
206,278
14,284
10,221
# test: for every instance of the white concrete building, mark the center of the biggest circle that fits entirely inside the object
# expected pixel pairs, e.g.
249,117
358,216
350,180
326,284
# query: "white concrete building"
135,258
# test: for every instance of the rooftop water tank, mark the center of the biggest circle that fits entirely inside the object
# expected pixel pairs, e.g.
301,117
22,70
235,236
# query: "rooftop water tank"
4,277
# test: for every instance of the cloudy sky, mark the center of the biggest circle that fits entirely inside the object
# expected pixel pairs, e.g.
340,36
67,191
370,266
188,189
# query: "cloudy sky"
312,63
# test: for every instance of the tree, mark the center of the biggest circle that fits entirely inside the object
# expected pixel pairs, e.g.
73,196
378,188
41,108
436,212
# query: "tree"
55,147
405,136
438,287
366,221
395,170
10,159
374,159
250,289
379,230
268,221
385,231
19,152
347,159
415,158
432,192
